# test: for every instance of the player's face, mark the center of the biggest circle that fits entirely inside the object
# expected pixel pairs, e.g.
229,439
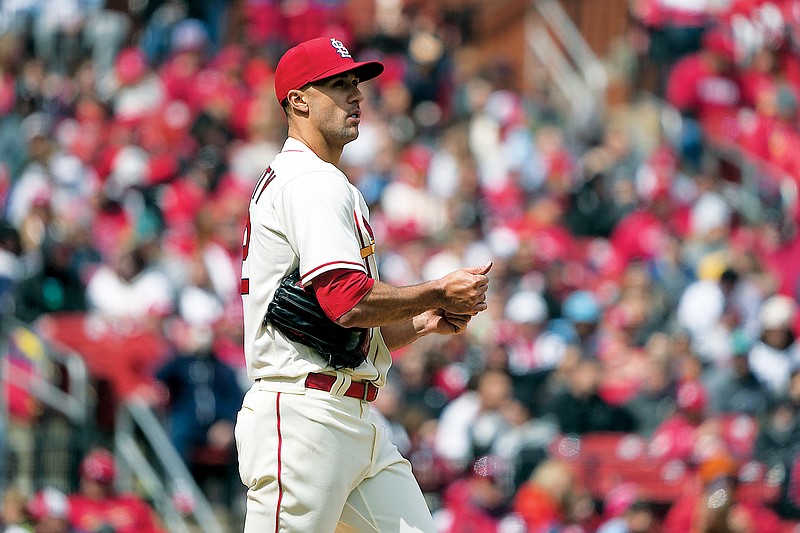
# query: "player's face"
335,108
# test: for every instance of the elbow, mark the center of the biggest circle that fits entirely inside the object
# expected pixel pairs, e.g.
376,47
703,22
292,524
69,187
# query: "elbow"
352,319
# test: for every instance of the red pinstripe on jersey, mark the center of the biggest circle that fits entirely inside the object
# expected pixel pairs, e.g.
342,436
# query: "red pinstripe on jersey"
280,445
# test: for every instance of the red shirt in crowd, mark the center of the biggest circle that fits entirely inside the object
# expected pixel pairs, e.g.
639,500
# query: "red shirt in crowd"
463,513
640,235
686,516
538,508
124,513
695,87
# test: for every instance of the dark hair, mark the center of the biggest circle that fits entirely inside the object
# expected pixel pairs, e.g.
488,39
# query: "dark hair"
729,276
9,238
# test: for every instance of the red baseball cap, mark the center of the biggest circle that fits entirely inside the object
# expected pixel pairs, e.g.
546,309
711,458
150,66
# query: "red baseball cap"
99,466
48,502
315,60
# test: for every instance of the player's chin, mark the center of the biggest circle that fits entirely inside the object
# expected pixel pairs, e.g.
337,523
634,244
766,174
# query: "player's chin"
349,134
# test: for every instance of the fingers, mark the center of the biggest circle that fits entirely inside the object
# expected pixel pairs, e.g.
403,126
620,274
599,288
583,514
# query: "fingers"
458,321
470,310
465,290
460,317
481,280
482,270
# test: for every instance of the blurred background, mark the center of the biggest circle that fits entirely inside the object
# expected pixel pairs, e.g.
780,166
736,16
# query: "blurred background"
630,166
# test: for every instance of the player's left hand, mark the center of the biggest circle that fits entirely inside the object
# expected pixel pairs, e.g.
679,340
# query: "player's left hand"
446,323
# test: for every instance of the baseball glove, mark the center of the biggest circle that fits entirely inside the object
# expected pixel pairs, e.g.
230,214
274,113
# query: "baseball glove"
296,313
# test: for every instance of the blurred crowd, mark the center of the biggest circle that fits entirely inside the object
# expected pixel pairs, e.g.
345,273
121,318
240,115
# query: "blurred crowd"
95,506
632,294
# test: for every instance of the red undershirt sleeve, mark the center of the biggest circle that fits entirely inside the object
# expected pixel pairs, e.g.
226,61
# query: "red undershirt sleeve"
339,290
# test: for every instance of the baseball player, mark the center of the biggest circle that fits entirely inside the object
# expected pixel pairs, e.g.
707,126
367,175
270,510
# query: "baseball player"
313,455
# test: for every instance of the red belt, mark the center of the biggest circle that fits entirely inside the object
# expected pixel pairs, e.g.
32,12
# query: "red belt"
358,389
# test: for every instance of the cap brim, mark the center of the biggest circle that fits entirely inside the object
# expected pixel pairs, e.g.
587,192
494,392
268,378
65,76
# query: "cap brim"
365,70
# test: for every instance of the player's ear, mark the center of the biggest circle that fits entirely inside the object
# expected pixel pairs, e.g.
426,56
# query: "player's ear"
297,100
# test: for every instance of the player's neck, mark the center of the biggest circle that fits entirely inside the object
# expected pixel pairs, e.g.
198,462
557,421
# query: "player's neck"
317,143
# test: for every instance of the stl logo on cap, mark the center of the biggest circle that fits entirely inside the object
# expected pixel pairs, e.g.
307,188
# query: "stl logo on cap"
340,48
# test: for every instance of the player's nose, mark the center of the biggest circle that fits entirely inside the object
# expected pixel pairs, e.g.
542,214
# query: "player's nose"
356,96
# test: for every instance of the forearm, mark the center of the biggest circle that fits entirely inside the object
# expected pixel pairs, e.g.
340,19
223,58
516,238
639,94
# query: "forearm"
398,335
386,305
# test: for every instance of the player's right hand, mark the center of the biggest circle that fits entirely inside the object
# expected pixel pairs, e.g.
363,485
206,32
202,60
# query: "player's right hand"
465,290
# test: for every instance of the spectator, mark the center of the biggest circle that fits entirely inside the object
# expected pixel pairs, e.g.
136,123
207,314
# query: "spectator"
138,90
625,512
712,505
11,268
778,440
204,397
56,287
531,348
526,442
677,437
411,211
669,271
390,407
13,516
51,175
628,325
479,501
639,517
97,507
788,504
674,29
185,60
734,388
771,134
655,400
793,394
416,371
579,409
434,472
198,302
472,422
546,502
775,352
582,310
130,287
644,233
705,311
706,89
642,302
49,512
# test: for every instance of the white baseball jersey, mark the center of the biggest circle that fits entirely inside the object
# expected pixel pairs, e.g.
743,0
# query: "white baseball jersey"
305,212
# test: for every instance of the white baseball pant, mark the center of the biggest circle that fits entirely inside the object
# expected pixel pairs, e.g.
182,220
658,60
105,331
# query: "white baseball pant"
318,463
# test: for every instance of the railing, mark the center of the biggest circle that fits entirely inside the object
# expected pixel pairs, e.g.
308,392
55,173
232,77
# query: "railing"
574,69
758,177
165,480
72,403
177,488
